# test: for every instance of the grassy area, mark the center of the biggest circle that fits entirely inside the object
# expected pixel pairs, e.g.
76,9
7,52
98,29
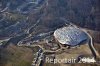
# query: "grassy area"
14,17
16,56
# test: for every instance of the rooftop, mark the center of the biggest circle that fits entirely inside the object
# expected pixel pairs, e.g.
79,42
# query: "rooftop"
70,35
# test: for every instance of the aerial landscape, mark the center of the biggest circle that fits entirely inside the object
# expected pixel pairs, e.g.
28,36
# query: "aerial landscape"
49,32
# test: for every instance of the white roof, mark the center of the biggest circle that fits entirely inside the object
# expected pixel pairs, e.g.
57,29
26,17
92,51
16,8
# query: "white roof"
70,35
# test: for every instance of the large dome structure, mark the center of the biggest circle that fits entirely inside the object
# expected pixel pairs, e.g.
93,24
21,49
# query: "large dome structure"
70,35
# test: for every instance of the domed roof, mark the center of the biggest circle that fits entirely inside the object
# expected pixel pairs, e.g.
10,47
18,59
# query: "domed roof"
70,35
